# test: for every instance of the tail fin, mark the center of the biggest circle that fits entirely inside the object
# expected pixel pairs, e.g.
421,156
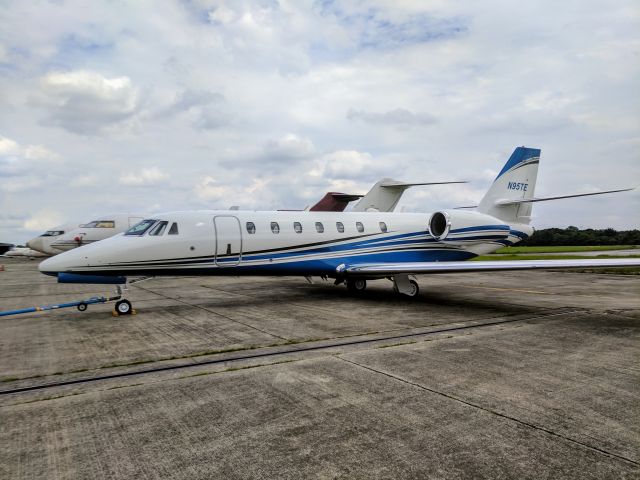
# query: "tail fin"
516,181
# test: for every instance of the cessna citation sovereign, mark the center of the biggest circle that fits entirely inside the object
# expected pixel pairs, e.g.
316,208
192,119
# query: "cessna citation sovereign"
350,247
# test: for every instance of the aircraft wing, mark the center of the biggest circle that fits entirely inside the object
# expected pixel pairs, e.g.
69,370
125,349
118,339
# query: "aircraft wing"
384,269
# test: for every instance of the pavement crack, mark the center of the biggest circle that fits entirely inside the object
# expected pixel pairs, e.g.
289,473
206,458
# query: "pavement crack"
493,412
166,297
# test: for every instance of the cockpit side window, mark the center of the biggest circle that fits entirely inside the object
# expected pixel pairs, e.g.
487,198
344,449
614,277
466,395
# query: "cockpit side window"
159,229
174,229
139,228
106,224
52,233
100,224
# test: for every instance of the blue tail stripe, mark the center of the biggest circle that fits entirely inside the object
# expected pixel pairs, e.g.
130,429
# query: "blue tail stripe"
519,155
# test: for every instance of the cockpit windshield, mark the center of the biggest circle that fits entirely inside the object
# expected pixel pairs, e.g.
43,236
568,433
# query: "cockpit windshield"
100,224
52,233
158,229
141,227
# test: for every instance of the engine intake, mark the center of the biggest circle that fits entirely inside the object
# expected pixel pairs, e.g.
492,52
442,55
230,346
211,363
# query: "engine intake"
439,225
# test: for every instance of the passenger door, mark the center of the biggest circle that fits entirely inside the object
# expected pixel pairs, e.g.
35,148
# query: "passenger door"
228,240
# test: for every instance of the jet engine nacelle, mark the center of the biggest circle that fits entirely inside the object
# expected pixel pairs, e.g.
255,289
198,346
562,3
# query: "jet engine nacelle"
457,225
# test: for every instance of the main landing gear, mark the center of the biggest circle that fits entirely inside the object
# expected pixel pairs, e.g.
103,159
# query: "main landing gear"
402,284
356,285
411,290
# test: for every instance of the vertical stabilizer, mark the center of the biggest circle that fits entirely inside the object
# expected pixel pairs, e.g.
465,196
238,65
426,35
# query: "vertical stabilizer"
516,181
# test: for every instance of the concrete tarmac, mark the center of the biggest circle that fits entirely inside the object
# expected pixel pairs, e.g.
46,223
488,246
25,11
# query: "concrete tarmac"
510,375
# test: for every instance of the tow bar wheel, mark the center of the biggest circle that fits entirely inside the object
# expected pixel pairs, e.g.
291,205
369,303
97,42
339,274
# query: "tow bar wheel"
82,307
123,307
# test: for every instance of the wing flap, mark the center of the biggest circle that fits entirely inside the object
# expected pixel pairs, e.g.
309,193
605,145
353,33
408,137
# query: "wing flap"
385,269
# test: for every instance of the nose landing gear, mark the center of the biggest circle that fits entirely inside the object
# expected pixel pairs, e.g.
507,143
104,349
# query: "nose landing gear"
123,307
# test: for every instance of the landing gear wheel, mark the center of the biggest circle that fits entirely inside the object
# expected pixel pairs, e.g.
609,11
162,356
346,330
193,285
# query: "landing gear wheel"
123,307
356,285
415,289
82,307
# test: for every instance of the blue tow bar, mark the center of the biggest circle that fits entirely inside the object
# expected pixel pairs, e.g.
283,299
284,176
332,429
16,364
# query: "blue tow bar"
81,305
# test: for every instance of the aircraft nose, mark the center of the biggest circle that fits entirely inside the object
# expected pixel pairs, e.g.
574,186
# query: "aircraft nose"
36,244
57,264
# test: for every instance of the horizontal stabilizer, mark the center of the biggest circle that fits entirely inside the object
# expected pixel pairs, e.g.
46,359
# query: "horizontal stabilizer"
345,197
386,269
544,199
386,193
334,202
395,183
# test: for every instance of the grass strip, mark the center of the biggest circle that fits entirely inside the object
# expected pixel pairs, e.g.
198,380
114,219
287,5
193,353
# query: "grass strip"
560,249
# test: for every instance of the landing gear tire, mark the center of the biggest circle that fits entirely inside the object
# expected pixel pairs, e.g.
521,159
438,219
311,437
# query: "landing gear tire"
356,285
123,307
415,289
413,293
82,307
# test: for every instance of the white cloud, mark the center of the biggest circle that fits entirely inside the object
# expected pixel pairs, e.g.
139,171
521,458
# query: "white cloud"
343,163
290,146
399,116
4,55
143,177
209,189
206,91
9,147
86,102
42,220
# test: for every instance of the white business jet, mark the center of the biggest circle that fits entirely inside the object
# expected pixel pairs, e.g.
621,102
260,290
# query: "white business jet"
350,247
22,252
43,243
105,227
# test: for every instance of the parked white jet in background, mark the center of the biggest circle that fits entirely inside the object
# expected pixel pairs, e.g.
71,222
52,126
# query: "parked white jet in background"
22,252
105,227
382,197
42,243
351,247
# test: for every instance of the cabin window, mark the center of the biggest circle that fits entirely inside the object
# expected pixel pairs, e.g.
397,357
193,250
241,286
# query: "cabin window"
359,227
139,228
275,228
319,227
251,227
383,227
340,227
158,229
174,229
297,227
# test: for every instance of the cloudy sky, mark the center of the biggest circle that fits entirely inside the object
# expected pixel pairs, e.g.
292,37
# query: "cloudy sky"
152,106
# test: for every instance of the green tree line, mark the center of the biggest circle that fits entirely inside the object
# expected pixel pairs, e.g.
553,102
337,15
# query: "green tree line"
575,236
